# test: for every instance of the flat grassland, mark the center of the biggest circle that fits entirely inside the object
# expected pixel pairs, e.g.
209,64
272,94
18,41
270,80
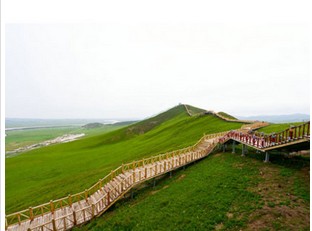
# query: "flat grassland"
21,138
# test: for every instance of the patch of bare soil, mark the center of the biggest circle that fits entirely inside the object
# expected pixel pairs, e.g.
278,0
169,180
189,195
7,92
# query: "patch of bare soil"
281,210
181,177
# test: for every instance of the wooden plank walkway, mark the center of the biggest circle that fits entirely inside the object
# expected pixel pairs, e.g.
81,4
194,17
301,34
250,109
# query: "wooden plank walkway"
65,213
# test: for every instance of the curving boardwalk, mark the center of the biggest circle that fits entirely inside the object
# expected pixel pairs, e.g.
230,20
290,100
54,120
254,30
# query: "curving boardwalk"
65,213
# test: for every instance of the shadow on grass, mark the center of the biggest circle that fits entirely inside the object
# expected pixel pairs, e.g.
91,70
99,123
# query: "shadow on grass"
278,158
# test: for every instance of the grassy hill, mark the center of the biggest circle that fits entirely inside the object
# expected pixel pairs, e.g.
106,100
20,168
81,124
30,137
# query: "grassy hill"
227,115
55,171
221,192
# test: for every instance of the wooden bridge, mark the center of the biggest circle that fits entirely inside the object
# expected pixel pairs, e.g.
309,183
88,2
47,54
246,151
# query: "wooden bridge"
73,210
264,143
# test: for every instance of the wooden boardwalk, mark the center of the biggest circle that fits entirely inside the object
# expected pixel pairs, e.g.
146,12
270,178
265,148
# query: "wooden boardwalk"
65,213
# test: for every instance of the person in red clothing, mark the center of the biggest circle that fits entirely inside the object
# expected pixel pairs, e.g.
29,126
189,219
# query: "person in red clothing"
273,139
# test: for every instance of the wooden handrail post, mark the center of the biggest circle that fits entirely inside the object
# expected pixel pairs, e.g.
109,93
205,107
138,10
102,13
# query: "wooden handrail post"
52,206
86,195
303,130
54,225
133,176
145,173
6,223
31,214
100,183
92,210
108,198
70,200
299,132
19,218
74,216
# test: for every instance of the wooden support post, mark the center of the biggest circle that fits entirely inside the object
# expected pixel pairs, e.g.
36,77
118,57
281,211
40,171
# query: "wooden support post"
243,150
233,147
75,218
122,186
155,169
54,225
52,206
145,172
267,157
165,166
19,218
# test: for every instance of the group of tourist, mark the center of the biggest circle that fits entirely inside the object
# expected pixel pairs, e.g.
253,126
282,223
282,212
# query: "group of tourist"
259,140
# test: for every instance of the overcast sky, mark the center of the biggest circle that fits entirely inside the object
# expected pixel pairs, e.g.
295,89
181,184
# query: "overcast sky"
136,69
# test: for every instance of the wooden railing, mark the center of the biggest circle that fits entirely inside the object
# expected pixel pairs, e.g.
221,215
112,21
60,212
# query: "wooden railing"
170,160
263,141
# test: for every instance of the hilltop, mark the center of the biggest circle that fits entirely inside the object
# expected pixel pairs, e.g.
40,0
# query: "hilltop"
71,167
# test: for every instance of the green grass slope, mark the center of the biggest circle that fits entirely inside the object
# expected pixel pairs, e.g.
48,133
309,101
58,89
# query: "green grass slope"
195,110
221,192
227,115
278,127
55,171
